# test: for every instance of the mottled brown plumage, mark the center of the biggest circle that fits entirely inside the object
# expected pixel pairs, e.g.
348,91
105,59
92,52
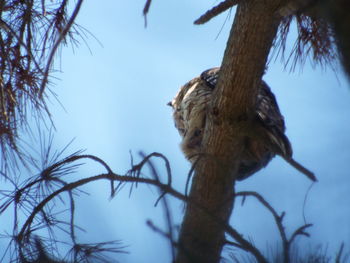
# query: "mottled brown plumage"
190,107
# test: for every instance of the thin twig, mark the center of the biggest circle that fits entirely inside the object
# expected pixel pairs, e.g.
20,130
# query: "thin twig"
339,254
234,244
279,222
146,10
190,174
56,45
300,231
162,197
7,28
136,169
278,218
81,182
164,234
215,11
245,244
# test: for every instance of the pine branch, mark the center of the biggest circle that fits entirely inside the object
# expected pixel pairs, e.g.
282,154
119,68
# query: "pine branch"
215,11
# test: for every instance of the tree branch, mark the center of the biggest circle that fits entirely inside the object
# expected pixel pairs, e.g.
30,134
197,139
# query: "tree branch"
254,29
215,11
286,243
278,221
61,37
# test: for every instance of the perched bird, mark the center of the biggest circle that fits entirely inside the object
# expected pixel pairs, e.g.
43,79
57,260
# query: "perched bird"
190,107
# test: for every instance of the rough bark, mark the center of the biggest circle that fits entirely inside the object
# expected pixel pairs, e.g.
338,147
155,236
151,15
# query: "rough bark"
202,232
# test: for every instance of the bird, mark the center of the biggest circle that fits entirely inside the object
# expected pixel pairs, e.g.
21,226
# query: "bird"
191,105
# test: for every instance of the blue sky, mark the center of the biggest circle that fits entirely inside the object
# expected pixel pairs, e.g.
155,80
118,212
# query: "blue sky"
114,93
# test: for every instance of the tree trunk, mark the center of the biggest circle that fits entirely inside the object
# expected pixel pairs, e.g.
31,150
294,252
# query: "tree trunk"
202,234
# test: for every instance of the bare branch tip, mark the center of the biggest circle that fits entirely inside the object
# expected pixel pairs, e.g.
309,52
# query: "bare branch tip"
215,11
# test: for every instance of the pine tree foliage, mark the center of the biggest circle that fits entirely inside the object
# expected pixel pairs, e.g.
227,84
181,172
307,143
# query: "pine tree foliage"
31,33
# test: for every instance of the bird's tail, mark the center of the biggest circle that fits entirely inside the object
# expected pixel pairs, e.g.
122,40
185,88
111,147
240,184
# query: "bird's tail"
301,168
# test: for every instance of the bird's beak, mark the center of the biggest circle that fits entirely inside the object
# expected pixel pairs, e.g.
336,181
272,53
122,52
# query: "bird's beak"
169,104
